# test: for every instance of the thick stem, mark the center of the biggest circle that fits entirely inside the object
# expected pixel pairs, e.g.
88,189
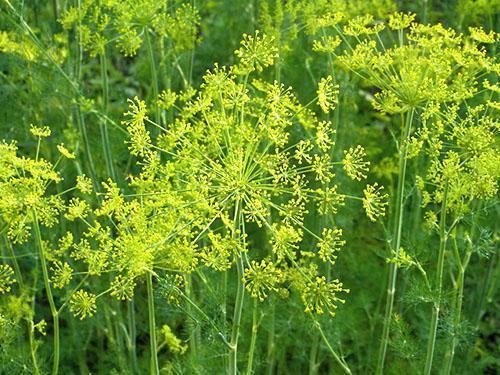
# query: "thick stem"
238,305
255,328
443,236
48,291
154,369
396,237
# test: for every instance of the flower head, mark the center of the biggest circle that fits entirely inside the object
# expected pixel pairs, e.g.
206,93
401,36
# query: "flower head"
257,52
6,278
65,152
262,278
320,295
374,201
83,304
354,164
328,93
40,131
330,243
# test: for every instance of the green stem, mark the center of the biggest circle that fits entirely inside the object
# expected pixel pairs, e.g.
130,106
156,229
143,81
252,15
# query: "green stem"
154,369
192,325
313,355
337,358
238,305
77,112
253,339
55,11
154,75
488,284
132,335
439,282
32,347
271,345
396,235
17,269
458,306
103,126
48,290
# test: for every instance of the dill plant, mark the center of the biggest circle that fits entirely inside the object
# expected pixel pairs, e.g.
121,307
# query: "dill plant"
427,69
226,216
229,155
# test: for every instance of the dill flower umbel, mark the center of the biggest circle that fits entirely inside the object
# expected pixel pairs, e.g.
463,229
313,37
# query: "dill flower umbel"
40,131
398,20
24,187
83,304
65,152
261,278
6,278
320,296
84,184
328,93
331,242
374,201
257,52
354,164
62,274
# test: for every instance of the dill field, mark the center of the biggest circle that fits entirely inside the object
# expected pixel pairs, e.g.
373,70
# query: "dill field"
249,187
